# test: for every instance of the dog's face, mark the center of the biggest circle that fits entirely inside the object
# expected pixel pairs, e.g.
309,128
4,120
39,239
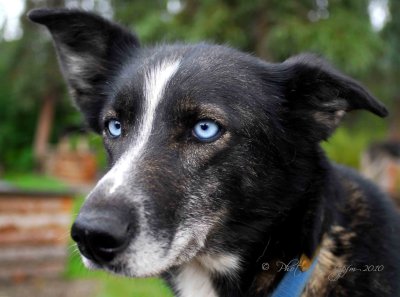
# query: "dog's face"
200,140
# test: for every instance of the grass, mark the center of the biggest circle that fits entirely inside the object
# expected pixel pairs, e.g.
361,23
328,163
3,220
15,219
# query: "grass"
115,286
35,182
134,287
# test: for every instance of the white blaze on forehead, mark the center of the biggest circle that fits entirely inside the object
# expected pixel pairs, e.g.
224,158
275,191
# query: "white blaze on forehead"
155,81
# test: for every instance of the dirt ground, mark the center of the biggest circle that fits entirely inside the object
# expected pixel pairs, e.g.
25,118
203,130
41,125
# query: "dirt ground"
50,288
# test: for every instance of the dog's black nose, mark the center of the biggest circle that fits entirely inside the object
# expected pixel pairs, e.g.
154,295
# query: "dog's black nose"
101,235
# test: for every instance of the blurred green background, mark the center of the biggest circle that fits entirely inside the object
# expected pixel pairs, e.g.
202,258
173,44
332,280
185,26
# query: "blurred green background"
360,37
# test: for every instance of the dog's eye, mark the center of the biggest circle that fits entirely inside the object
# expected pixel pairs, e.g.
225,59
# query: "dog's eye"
206,130
114,128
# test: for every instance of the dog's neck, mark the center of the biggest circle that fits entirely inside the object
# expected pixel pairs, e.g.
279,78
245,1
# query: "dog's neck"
219,275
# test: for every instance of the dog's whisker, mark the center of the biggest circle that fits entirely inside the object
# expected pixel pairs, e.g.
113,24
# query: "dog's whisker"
265,250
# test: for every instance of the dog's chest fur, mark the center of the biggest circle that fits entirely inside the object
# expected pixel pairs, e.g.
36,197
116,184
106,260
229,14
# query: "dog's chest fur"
193,280
196,278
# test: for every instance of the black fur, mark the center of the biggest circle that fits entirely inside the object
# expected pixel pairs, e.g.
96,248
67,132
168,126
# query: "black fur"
277,196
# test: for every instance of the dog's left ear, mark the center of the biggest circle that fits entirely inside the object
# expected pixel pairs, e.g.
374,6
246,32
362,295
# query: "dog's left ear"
90,51
317,96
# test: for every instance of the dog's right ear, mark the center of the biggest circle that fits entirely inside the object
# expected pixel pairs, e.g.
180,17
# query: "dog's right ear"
90,50
317,96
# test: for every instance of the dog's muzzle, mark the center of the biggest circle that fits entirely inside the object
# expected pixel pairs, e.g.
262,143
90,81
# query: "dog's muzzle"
102,233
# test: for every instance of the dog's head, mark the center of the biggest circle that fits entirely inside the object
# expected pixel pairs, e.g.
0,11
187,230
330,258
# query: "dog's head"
209,148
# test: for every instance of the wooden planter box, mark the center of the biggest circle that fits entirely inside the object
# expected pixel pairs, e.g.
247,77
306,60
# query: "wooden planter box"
34,233
381,163
75,168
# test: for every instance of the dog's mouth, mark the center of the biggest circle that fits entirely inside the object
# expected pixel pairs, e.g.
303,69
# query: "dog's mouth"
127,265
145,256
109,267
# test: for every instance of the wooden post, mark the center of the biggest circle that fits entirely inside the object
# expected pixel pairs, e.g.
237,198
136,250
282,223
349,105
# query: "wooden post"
394,132
381,163
43,130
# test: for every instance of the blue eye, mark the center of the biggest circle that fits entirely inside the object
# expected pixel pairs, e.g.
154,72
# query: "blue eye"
206,130
114,128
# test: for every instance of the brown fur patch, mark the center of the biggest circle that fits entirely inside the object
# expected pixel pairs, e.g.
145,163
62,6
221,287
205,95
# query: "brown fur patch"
329,266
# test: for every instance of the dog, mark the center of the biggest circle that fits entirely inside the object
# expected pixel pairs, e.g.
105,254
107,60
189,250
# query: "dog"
217,182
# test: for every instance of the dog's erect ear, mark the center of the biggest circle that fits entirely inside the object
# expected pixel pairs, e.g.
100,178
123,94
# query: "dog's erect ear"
90,50
318,96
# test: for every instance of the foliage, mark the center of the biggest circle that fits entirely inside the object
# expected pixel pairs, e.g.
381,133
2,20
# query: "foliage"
29,70
391,67
391,34
273,29
17,152
355,58
96,145
346,145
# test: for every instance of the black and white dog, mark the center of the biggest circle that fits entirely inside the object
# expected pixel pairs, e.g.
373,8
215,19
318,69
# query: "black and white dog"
217,181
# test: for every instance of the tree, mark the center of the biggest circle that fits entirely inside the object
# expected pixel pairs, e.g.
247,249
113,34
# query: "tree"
32,94
392,66
272,29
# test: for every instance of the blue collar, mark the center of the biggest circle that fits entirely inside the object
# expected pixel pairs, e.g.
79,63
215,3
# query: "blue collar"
294,280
